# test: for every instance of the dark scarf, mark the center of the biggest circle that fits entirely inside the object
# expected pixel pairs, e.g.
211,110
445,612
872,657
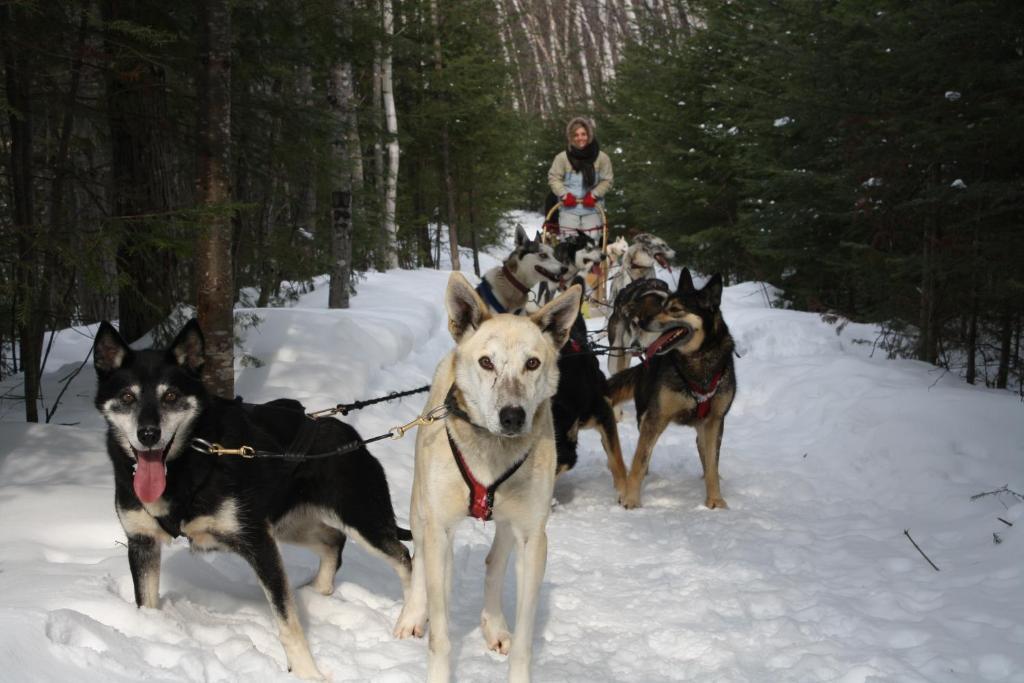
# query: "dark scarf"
582,160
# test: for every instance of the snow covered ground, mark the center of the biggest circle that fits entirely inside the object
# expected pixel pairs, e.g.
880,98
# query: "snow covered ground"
829,455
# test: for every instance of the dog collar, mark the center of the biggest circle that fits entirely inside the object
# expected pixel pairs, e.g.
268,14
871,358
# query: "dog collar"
481,498
484,290
513,281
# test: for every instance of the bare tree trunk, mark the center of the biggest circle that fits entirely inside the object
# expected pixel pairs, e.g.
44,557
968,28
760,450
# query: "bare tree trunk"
583,29
511,58
340,98
391,194
472,232
607,56
446,163
1005,344
380,172
30,325
215,287
305,213
143,188
531,34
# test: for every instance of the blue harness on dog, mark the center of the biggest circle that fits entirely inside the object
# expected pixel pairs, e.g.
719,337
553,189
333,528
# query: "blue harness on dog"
485,291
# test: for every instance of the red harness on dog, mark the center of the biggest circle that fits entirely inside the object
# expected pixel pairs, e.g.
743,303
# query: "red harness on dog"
481,498
704,394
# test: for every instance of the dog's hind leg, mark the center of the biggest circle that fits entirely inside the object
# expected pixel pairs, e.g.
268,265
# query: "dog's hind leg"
604,417
531,558
330,548
144,563
261,552
709,446
492,619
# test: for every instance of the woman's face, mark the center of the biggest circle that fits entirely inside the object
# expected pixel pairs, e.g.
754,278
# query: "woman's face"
580,137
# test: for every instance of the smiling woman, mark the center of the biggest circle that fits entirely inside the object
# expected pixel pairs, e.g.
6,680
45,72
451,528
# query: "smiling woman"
580,177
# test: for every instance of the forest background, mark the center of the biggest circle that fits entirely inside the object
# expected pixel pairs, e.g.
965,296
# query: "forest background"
862,156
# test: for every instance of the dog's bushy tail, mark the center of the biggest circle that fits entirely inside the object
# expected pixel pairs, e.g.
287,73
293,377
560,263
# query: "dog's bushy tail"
621,385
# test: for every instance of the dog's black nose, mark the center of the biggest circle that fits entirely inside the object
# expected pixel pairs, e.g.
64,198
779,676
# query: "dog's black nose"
512,419
148,436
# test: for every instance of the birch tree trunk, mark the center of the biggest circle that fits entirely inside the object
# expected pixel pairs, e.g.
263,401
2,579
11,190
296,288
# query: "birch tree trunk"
446,163
583,29
380,180
214,270
607,56
339,95
391,192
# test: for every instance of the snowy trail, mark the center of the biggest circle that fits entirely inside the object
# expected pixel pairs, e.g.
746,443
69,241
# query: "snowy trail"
828,456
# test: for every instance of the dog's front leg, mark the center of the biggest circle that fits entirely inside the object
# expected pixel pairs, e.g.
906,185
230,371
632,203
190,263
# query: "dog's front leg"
492,620
144,562
531,560
261,552
437,550
652,424
709,446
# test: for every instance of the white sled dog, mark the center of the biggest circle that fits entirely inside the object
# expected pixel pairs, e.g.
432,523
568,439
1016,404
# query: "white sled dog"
491,457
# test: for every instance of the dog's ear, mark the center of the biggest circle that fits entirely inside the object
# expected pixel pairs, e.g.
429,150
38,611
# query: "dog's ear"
556,319
685,282
189,347
466,310
521,237
711,294
109,352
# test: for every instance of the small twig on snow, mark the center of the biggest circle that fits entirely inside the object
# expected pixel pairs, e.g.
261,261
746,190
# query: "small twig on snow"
1004,521
906,533
1004,489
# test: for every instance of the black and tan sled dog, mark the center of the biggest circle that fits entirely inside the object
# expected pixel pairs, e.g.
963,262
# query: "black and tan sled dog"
688,378
164,486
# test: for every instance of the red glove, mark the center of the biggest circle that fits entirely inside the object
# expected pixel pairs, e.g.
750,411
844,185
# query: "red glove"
589,200
569,200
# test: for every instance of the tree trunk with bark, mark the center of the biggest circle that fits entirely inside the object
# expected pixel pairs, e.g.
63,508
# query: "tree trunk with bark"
391,117
340,98
142,187
446,162
27,277
215,289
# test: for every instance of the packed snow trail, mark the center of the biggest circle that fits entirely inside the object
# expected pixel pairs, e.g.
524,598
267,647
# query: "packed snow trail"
829,455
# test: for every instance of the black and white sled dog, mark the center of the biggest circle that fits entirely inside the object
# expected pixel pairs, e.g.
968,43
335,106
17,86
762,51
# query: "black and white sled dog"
579,254
156,407
492,457
506,288
582,402
638,263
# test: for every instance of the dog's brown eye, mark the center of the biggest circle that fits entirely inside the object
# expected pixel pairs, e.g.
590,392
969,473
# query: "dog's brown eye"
542,256
532,363
170,397
486,363
127,397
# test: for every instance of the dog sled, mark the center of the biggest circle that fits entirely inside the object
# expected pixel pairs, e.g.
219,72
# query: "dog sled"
597,278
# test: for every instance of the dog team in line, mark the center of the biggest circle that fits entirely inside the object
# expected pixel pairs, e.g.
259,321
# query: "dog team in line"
509,400
499,425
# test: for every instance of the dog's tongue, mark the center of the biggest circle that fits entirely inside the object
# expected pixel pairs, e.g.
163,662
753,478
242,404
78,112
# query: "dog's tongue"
150,478
658,343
